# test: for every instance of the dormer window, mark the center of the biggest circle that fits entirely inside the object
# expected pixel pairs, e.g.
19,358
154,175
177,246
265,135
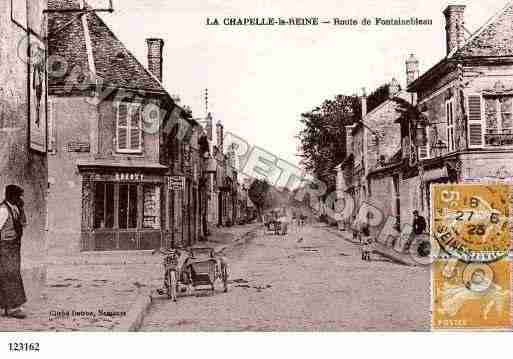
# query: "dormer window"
129,127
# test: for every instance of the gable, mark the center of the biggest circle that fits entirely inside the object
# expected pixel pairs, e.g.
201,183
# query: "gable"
493,39
69,37
114,63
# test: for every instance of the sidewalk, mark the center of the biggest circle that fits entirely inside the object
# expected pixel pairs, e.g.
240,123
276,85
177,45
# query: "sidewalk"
380,249
80,287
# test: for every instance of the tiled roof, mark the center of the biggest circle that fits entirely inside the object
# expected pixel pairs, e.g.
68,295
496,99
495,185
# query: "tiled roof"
113,62
495,38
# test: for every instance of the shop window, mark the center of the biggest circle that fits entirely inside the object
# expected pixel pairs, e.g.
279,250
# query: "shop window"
151,207
104,205
129,128
127,213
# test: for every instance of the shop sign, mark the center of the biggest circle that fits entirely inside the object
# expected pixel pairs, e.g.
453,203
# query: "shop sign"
176,183
78,147
133,177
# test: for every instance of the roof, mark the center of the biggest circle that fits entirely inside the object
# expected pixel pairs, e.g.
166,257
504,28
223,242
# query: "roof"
387,167
493,39
400,98
83,39
121,163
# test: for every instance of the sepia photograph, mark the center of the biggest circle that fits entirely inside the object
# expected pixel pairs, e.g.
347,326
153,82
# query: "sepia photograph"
222,166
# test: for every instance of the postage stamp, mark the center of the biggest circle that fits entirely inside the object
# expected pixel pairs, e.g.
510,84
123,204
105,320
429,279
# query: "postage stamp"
471,278
470,222
471,295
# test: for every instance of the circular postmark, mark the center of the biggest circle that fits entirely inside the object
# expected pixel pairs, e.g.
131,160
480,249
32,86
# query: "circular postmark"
471,222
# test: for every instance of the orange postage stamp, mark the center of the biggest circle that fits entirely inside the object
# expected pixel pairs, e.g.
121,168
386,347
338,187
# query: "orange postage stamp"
470,222
471,279
471,295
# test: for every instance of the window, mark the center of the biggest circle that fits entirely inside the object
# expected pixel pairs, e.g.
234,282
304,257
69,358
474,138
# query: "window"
127,207
151,206
104,205
498,121
449,115
490,121
127,213
129,127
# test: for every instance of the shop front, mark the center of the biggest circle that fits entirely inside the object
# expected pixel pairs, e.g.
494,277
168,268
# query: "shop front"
123,208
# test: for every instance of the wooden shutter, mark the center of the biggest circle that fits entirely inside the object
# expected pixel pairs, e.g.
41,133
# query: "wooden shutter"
476,126
135,128
122,127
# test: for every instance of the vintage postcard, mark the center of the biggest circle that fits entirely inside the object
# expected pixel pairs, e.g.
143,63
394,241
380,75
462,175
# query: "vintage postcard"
255,166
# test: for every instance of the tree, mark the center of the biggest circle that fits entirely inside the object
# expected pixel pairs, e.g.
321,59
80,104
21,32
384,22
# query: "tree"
259,194
323,137
378,96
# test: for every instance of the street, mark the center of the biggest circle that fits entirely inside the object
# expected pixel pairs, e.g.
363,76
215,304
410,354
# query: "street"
308,280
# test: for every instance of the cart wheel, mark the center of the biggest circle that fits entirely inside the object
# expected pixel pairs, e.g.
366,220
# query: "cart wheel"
171,284
225,278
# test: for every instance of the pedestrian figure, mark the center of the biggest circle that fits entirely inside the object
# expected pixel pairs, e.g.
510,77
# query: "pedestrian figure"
419,223
366,242
302,220
12,220
284,224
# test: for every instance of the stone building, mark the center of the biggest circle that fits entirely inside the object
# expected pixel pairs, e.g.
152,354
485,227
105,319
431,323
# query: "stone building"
108,182
466,102
371,171
455,124
23,129
387,153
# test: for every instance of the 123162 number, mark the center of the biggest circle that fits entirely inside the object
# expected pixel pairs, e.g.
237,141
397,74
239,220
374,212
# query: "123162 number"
23,347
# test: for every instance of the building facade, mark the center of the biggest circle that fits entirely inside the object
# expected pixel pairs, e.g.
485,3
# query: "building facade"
107,182
466,101
454,125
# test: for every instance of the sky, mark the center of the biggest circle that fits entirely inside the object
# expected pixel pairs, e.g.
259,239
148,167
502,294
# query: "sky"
261,79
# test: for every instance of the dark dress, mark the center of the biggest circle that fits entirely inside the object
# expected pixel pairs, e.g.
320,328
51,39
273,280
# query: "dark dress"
419,225
12,292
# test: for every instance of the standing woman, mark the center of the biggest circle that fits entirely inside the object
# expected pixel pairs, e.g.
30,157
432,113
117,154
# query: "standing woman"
12,220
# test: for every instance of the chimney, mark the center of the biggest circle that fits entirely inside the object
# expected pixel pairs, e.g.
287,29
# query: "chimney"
393,88
364,103
454,20
220,136
412,69
155,47
209,127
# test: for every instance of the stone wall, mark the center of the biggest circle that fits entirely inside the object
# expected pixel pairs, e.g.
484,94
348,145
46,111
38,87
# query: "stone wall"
74,120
